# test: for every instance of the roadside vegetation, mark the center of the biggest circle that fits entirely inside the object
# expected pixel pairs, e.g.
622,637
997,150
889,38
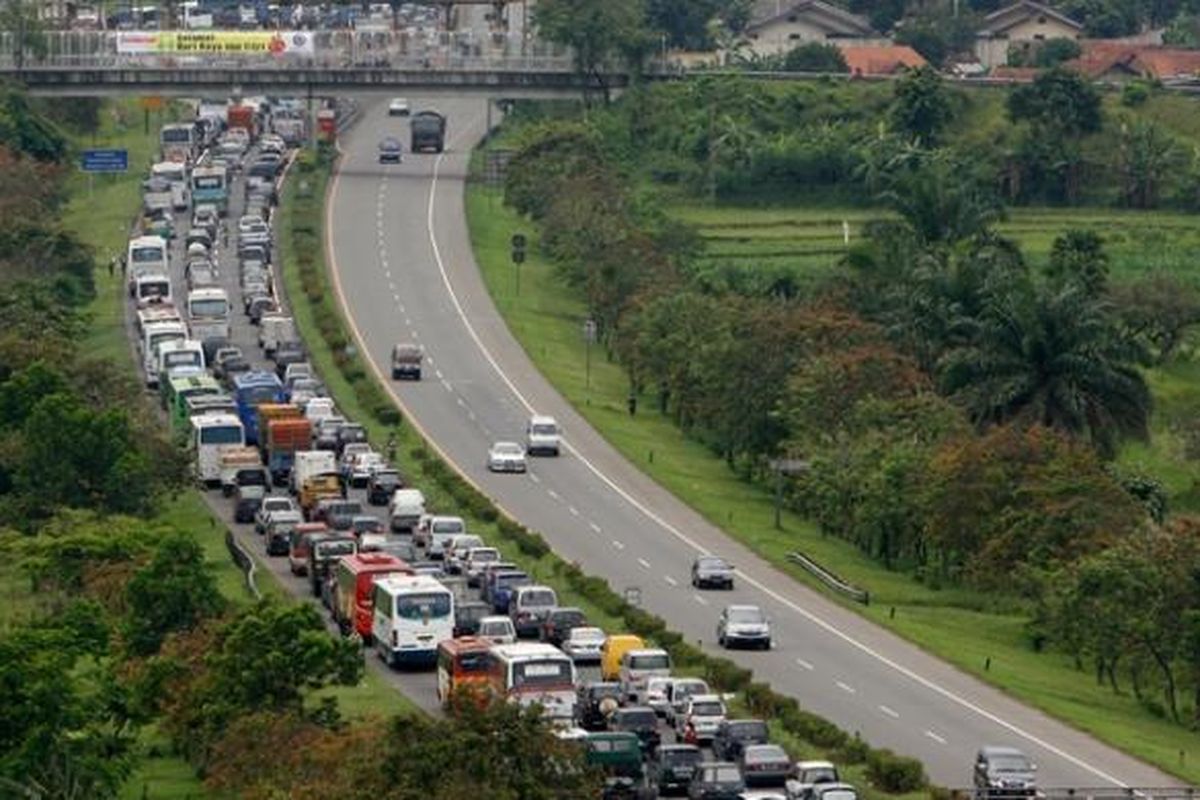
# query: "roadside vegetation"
990,402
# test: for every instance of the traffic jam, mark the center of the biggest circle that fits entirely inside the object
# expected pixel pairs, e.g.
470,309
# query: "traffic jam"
234,381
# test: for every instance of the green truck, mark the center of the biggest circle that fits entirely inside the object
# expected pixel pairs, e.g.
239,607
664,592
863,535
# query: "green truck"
618,754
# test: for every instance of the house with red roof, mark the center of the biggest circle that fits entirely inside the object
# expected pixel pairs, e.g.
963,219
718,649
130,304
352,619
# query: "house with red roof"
876,60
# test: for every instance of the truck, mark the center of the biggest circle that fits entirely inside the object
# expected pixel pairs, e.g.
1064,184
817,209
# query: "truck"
291,125
276,328
210,186
250,389
233,459
285,438
307,463
314,489
428,131
178,142
243,116
211,435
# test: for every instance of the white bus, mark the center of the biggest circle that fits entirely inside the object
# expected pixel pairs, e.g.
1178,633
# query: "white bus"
145,255
413,613
153,336
534,673
178,357
152,288
208,312
211,433
178,142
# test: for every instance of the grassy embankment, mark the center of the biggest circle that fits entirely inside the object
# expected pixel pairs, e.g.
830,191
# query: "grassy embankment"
101,216
965,628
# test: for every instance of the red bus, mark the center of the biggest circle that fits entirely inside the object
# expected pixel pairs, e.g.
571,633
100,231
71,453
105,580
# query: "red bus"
353,608
462,662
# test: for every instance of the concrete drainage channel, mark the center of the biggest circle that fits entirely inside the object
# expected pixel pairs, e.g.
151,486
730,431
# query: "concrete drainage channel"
244,545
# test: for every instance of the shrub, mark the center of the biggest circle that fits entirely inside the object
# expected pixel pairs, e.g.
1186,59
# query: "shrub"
855,751
893,773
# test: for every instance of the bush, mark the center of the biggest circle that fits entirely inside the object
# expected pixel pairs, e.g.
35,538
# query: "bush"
893,773
855,751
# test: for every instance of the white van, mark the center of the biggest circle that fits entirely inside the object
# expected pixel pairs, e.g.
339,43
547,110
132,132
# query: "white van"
541,436
319,408
153,336
146,255
405,509
440,531
638,666
152,288
309,463
529,607
412,614
274,329
179,356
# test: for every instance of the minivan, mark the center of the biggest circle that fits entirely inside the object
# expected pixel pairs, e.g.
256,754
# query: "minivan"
638,666
614,650
529,607
406,508
440,532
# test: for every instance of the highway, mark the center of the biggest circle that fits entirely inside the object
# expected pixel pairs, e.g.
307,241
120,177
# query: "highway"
404,271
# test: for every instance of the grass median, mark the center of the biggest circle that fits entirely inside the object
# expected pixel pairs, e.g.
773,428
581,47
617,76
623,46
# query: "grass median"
983,635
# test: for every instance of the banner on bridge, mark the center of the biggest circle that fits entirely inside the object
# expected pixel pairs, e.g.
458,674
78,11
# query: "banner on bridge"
280,43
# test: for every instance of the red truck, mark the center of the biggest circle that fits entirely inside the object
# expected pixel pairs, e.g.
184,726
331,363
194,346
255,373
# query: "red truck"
354,580
243,116
286,437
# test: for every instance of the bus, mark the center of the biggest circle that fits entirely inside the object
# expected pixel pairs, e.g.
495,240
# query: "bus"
179,357
210,434
146,255
180,389
211,185
153,336
534,673
152,288
354,579
412,614
291,125
462,663
197,405
250,389
208,313
178,142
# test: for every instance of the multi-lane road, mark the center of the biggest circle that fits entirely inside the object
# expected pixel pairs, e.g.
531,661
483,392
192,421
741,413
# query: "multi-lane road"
404,270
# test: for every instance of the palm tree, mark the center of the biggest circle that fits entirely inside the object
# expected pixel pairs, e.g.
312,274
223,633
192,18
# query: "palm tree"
1052,356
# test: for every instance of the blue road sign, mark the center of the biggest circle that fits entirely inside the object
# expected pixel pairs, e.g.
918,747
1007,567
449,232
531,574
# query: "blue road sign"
105,161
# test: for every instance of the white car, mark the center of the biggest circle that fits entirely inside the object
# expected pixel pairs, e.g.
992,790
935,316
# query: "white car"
584,643
745,626
398,107
541,436
700,719
271,505
497,630
655,694
506,457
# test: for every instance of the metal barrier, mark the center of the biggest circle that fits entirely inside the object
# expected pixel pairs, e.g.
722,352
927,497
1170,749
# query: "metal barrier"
1082,793
244,562
829,579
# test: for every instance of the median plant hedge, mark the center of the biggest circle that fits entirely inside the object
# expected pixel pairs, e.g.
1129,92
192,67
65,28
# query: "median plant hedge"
887,771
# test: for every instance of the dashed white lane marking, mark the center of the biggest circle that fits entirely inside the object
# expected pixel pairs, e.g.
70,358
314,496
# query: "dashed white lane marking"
446,383
847,688
670,580
935,737
534,478
889,712
459,400
553,494
438,373
471,415
645,564
574,511
396,297
618,545
594,527
415,334
699,599
804,664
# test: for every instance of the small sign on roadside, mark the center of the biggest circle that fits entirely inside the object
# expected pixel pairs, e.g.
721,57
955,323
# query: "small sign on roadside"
108,160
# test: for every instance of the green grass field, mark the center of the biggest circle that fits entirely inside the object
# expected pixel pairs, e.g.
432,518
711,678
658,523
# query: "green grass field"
962,627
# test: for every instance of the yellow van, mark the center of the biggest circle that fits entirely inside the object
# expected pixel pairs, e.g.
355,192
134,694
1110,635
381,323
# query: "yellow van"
614,648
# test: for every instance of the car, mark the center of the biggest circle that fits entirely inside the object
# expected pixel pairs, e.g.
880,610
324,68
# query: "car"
363,524
744,625
338,514
398,107
833,791
655,694
506,457
716,780
472,564
640,720
221,356
1004,772
287,353
362,467
468,615
249,499
764,765
529,607
672,767
271,505
406,361
542,436
595,703
390,151
808,774
700,719
382,484
734,735
497,630
583,644
349,433
559,622
305,389
712,572
679,691
277,536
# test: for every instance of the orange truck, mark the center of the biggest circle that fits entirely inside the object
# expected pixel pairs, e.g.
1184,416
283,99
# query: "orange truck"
243,116
285,437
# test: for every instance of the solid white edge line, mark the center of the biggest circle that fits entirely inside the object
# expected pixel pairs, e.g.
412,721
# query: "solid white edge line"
811,617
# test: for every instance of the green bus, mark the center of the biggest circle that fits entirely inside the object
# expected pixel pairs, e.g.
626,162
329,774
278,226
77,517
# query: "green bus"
177,390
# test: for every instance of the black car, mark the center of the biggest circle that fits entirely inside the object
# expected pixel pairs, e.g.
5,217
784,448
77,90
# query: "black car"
712,571
339,514
716,780
734,734
672,768
467,615
348,433
365,523
764,765
403,550
287,353
382,485
249,500
597,702
640,720
326,549
558,624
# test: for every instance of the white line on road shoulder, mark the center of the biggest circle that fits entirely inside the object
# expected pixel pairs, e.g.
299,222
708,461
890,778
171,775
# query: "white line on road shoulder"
594,527
804,664
935,737
534,478
645,564
574,511
889,712
699,599
847,688
618,545
553,494
670,580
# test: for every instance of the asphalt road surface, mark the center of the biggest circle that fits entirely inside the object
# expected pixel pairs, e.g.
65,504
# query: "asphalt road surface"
404,271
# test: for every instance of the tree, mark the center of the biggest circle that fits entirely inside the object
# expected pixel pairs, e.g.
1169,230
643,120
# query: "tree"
941,199
1053,357
815,57
597,31
921,108
174,592
1059,102
1077,258
1055,51
1147,155
686,23
1157,311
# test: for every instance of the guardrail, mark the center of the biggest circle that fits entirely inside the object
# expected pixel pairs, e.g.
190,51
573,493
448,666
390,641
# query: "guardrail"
1082,793
244,562
830,580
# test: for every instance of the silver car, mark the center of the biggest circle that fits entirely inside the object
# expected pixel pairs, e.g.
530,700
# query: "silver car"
744,626
506,457
712,571
584,644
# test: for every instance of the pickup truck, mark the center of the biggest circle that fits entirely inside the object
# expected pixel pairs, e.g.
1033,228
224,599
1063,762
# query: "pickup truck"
232,461
325,486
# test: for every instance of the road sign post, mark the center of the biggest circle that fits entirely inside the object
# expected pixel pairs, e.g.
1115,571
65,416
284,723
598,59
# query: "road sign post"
589,336
105,160
518,257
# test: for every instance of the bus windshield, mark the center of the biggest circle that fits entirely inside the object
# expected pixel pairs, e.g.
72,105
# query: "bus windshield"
541,673
259,394
177,135
430,605
472,662
208,182
146,254
154,288
182,358
214,307
221,434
